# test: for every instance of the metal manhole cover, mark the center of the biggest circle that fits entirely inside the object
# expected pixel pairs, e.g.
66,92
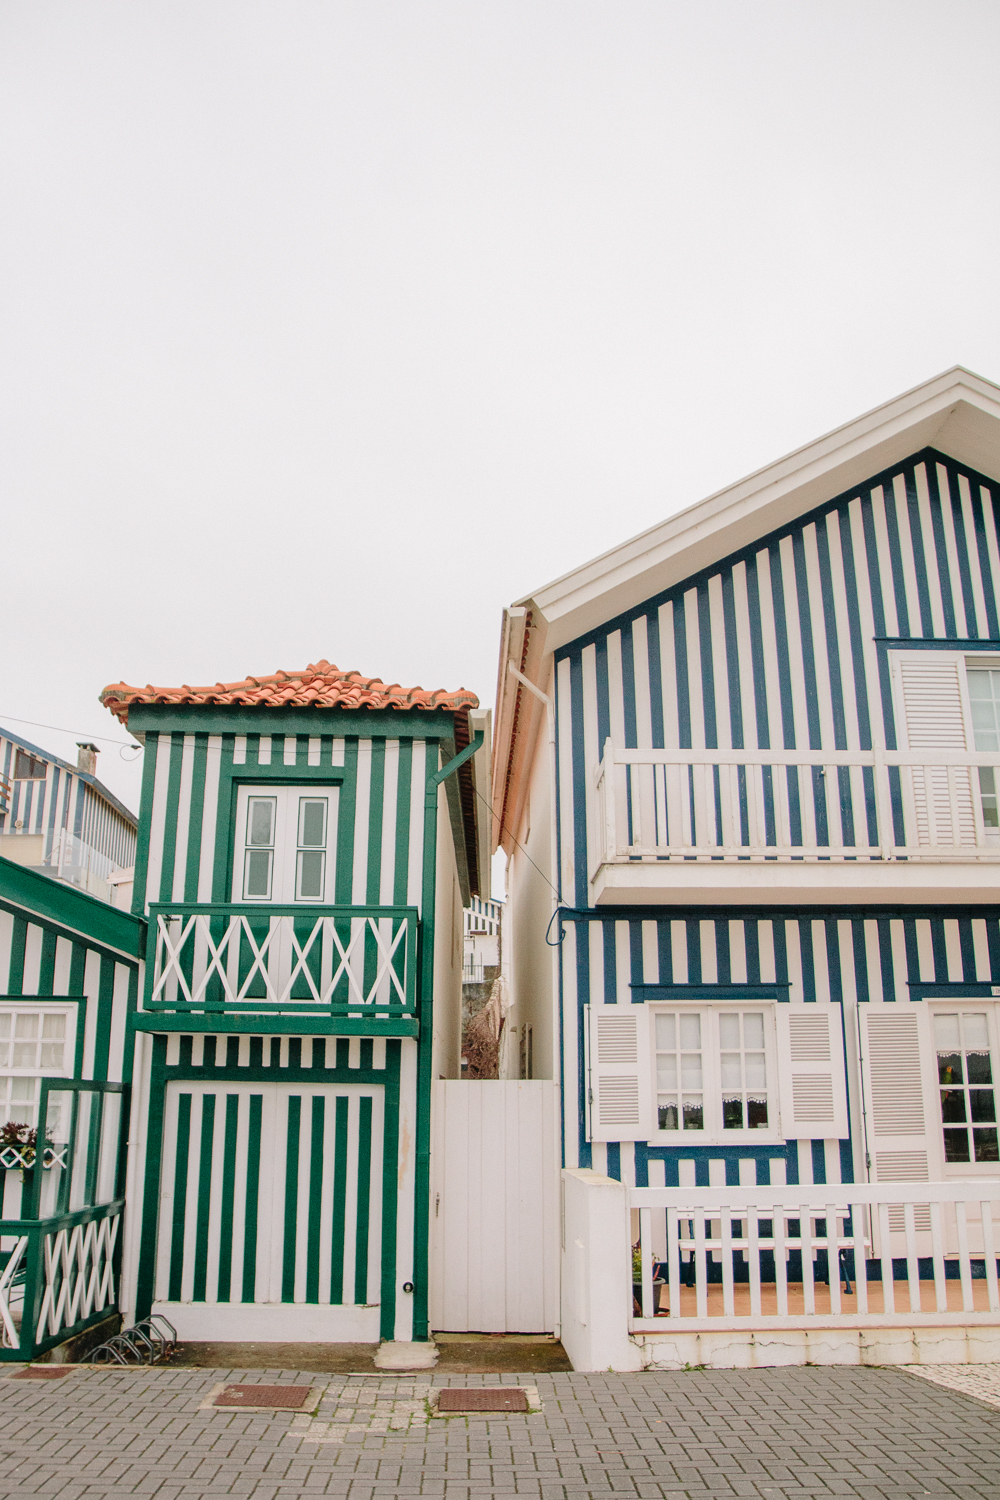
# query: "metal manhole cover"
495,1398
44,1372
263,1395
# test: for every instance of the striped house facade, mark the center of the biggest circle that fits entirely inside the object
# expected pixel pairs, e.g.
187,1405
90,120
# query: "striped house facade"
745,775
77,828
70,971
304,893
787,644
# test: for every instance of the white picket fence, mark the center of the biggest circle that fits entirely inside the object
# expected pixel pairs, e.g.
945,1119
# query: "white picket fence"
773,1236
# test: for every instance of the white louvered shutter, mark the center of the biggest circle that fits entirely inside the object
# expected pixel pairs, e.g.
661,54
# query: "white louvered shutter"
932,712
901,1112
620,1092
811,1085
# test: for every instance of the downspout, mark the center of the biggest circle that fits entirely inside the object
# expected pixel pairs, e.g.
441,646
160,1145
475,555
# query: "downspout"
425,1041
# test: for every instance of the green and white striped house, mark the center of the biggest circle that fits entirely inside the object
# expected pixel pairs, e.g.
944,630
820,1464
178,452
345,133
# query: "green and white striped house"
307,843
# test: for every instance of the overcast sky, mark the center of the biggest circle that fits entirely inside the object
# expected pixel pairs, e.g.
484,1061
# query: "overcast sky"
327,329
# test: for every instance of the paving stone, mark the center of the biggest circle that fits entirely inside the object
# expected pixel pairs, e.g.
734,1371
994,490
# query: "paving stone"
763,1435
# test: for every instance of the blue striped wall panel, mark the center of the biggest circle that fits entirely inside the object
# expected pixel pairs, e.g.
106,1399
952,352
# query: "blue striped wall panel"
780,645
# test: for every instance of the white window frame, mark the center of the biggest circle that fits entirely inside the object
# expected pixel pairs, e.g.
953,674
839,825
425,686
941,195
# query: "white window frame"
973,1169
29,1005
285,849
713,1134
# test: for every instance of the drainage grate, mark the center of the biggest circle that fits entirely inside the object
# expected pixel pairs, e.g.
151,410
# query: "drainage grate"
44,1372
495,1398
263,1395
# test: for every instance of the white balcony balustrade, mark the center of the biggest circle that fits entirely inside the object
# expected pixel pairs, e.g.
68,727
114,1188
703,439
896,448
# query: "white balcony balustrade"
347,960
795,824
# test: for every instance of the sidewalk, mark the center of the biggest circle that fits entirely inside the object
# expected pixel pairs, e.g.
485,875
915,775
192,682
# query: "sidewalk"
804,1432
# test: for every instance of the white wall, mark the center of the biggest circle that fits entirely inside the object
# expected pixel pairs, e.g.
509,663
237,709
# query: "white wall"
527,958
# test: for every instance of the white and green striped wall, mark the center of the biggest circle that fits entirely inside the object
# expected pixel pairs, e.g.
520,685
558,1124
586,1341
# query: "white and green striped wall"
271,1186
188,814
56,943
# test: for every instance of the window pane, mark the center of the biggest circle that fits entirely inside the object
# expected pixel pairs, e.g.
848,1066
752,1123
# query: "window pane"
956,1145
260,821
666,1033
312,823
977,1065
691,1070
666,1072
986,1145
694,1114
976,1035
310,875
757,1114
5,1024
667,1114
22,1089
4,1054
952,1106
753,1031
25,1055
53,1026
756,1073
690,1029
25,1026
949,1068
729,1030
946,1036
52,1057
982,1106
732,1114
732,1073
257,873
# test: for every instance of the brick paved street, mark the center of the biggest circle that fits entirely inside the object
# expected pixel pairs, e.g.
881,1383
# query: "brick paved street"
772,1433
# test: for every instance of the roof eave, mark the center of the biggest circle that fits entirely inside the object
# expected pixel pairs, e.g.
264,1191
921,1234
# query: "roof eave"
957,412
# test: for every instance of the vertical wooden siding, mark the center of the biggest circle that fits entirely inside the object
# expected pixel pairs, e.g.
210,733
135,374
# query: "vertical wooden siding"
380,816
38,957
776,645
64,800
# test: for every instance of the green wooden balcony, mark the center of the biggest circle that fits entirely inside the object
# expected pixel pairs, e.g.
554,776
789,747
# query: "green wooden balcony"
357,962
60,1245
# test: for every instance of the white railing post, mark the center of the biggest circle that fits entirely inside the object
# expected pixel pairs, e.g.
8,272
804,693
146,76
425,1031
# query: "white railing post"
610,783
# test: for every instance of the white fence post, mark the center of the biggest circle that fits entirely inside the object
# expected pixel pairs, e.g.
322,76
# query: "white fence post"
596,1273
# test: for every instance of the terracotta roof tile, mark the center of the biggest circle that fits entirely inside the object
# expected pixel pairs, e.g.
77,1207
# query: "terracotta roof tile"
320,685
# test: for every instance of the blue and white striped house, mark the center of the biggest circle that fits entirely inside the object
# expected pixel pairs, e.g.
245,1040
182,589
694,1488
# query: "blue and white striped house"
60,819
744,773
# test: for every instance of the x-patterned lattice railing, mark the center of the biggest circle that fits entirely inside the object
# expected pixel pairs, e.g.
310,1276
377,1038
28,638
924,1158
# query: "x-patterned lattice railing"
347,959
57,1276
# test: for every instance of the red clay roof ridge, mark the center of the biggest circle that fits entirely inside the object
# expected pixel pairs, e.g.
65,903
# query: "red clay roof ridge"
319,685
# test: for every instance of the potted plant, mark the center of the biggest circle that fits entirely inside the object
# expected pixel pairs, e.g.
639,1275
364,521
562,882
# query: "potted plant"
637,1282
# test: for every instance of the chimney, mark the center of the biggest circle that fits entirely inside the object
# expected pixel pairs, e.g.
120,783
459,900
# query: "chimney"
86,760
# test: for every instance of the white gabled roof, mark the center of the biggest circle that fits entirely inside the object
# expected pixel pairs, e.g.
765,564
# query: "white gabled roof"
956,412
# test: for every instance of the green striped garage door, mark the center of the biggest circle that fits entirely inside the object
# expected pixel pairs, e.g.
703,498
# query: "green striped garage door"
270,1211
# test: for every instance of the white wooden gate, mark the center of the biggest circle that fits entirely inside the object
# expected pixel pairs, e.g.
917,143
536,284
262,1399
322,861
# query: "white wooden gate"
494,1207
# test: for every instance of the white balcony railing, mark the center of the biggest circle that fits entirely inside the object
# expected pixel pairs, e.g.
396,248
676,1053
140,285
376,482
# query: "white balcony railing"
350,960
795,805
848,1254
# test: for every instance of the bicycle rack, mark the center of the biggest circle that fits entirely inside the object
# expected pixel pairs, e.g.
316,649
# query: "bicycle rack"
150,1342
